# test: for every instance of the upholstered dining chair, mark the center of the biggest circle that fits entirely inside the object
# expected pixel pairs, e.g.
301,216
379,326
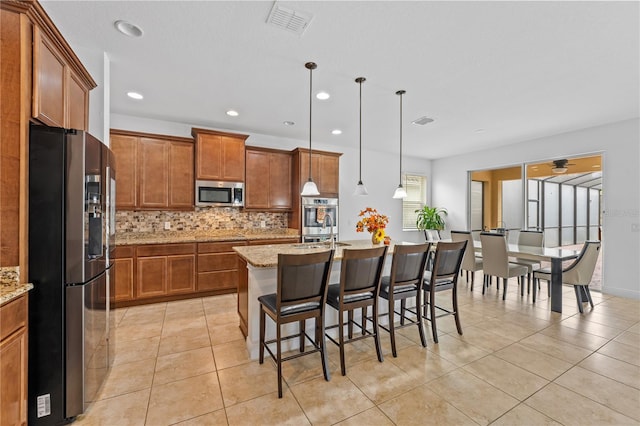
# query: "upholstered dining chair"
359,288
404,282
443,276
532,239
578,274
495,260
470,262
301,294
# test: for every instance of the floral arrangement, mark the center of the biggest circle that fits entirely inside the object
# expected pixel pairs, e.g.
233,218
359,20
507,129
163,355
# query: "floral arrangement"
372,221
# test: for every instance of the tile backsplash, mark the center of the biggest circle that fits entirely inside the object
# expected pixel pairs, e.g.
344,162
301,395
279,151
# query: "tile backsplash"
202,219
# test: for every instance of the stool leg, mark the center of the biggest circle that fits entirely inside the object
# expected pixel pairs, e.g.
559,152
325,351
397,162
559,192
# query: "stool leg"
392,329
364,320
403,307
432,312
350,323
322,343
262,315
279,358
376,331
343,368
423,338
456,316
302,331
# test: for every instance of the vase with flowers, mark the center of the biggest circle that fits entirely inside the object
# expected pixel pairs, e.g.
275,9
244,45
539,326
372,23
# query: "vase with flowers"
374,222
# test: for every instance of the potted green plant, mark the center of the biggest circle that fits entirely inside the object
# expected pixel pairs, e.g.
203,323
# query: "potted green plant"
430,218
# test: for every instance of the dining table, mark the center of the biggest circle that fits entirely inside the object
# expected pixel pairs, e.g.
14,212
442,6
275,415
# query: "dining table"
554,255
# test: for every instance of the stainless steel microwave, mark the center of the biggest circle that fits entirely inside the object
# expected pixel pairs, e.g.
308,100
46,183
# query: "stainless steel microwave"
219,193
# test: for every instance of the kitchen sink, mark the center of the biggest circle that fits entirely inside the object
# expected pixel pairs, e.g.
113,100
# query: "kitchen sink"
319,245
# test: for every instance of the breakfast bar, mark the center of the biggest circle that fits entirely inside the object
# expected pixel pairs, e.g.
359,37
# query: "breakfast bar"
262,263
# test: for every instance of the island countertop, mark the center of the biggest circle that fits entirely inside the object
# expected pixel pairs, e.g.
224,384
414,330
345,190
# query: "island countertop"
266,256
171,237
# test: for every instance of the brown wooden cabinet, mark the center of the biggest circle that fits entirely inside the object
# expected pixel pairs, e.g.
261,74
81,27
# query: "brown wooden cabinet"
268,179
165,270
219,155
325,170
60,95
13,361
124,275
218,266
153,171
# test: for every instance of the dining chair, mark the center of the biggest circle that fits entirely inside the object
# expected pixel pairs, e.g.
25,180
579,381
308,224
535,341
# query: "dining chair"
443,276
532,239
470,262
359,287
301,294
579,273
404,282
495,261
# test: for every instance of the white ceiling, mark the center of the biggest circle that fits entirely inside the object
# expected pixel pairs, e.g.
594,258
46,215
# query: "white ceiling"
518,70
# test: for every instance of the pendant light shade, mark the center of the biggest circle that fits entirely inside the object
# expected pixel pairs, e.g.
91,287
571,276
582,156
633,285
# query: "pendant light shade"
400,191
360,188
310,187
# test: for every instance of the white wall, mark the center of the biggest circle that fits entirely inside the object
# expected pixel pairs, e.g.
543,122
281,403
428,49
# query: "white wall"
379,173
620,145
97,63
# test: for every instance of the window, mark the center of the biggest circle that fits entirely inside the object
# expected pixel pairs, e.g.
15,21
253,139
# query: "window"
416,187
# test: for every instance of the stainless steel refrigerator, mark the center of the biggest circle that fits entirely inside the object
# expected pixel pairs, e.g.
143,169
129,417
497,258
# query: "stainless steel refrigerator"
71,232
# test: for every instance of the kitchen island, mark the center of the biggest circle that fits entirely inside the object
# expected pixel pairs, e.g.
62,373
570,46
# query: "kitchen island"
262,263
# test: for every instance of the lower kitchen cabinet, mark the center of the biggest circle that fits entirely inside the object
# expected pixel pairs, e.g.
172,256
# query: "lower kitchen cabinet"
243,281
218,266
13,361
165,270
123,266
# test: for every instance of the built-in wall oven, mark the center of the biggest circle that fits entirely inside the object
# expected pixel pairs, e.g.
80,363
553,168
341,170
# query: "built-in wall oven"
319,219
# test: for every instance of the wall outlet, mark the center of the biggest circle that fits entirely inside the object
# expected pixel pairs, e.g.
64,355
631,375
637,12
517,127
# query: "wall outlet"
167,225
263,224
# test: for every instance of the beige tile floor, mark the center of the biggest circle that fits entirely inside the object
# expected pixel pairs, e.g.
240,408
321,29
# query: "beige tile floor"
517,363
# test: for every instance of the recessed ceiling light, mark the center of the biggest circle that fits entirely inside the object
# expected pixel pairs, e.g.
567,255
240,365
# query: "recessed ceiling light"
288,123
336,132
422,121
479,130
323,96
232,113
128,29
135,95
596,166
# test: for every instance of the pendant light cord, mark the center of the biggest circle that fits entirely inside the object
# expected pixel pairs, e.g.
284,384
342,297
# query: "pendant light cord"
360,166
400,92
310,106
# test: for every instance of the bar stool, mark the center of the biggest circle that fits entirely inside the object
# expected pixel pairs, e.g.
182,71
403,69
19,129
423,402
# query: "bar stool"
405,280
443,276
301,294
359,287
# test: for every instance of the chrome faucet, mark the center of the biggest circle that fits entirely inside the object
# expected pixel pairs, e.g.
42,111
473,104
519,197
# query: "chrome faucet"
332,243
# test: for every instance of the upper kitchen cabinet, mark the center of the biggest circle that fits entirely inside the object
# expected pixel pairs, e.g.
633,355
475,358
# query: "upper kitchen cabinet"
219,155
325,170
60,86
268,179
153,171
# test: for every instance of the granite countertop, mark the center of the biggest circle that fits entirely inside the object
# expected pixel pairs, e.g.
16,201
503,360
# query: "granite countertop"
267,256
10,287
169,237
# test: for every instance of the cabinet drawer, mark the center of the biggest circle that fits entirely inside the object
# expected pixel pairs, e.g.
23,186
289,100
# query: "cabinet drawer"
226,246
125,251
165,249
217,262
274,241
219,280
13,316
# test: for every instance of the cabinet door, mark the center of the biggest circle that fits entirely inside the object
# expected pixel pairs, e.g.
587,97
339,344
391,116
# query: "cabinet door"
208,157
328,175
77,102
13,386
48,81
243,295
181,182
280,180
304,168
124,149
151,276
181,272
153,169
232,159
124,279
257,185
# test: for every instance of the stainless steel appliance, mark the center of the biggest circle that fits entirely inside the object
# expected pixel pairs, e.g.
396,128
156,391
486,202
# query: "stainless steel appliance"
69,264
219,193
316,226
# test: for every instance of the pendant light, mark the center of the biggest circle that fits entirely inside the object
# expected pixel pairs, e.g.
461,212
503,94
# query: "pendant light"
360,188
310,187
400,191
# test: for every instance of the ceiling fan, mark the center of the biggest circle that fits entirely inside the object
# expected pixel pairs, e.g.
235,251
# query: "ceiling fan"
560,166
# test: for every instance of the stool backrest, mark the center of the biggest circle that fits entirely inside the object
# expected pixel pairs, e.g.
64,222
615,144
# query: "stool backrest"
408,264
361,270
303,278
448,260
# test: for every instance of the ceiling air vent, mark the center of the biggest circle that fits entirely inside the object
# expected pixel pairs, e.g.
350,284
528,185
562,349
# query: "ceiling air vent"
422,121
290,20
